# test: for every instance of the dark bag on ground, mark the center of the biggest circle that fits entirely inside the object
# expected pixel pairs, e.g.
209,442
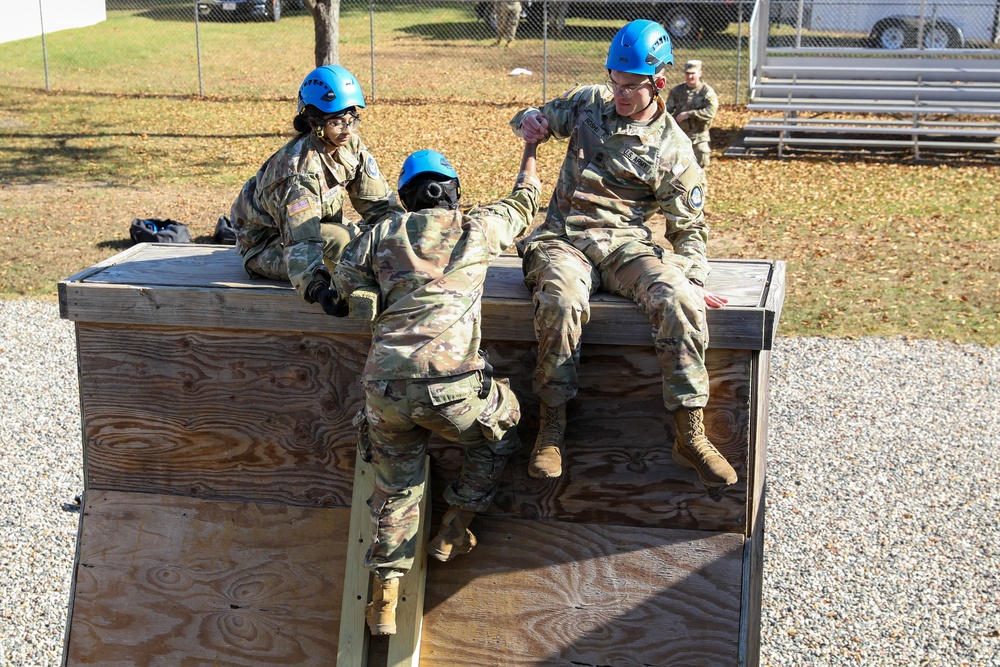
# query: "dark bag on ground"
224,232
154,230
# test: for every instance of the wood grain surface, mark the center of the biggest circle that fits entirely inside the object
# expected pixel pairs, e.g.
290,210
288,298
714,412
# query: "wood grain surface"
194,285
617,464
542,593
163,581
266,417
223,414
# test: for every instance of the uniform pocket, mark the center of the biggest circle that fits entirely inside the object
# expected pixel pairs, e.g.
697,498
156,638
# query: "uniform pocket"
360,421
502,411
454,389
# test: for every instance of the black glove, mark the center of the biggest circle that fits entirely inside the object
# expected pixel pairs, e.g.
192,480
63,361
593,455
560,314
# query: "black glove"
331,302
327,297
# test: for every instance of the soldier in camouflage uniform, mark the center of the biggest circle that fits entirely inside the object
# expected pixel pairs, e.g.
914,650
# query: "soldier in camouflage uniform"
627,161
508,15
289,217
425,374
693,104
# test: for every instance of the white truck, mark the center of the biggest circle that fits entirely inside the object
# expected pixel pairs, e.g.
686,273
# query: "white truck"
898,24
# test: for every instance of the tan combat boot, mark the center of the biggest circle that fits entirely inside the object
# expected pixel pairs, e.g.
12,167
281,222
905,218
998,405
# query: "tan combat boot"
546,457
692,449
381,611
454,538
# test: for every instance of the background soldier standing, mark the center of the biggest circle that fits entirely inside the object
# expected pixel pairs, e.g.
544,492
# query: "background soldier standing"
693,105
626,161
289,218
508,16
424,372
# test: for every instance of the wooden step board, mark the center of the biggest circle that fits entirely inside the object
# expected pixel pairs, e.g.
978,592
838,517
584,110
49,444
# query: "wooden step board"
404,646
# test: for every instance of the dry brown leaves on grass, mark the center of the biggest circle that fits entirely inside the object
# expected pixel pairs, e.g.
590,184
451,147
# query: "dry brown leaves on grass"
872,248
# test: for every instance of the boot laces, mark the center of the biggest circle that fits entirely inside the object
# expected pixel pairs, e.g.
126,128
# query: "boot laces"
551,435
699,441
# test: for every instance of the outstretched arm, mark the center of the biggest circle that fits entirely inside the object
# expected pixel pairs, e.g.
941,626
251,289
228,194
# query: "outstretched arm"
528,162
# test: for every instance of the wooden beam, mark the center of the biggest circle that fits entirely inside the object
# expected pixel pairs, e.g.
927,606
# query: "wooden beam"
404,646
352,647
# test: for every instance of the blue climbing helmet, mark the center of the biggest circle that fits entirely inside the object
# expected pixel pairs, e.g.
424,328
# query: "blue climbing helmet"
425,162
330,88
640,47
427,180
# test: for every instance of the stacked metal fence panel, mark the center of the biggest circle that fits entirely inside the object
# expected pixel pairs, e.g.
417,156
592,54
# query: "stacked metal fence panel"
427,49
890,74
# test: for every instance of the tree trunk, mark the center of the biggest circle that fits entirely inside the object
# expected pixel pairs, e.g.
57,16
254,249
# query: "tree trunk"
326,24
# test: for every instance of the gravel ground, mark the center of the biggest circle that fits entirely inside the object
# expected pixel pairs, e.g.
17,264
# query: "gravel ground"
883,502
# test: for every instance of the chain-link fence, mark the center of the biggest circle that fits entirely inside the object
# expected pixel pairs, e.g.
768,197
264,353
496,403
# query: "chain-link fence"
887,24
426,49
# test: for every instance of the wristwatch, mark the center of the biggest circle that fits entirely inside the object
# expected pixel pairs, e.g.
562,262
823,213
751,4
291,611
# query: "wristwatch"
697,282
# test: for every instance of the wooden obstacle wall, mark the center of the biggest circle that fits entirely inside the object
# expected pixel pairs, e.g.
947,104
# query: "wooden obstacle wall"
219,466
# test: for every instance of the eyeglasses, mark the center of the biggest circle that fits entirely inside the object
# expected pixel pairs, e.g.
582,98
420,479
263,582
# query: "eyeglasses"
349,122
624,90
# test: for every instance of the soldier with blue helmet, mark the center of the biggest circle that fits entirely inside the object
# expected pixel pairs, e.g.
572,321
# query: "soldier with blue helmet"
288,218
626,162
425,373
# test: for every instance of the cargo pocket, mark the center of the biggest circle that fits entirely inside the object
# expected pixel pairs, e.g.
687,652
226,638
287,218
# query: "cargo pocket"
454,389
364,442
500,416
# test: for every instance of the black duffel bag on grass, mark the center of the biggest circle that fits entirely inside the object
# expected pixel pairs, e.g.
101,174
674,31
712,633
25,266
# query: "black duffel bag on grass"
154,230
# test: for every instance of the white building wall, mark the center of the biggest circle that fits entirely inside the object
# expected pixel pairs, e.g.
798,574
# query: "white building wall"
24,18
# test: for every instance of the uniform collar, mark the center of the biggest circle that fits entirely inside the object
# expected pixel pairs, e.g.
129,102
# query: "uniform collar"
654,126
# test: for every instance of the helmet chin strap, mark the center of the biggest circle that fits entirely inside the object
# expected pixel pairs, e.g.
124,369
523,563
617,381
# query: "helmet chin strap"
652,99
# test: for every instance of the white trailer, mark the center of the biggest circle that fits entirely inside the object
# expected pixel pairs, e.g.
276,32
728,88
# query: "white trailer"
898,24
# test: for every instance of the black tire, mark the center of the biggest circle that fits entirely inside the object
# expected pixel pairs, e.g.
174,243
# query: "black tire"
681,23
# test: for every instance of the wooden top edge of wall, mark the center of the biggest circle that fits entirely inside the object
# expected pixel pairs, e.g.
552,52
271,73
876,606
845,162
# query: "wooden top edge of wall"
205,286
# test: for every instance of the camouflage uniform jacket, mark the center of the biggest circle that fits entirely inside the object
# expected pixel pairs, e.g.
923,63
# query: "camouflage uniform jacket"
701,103
430,267
301,187
616,176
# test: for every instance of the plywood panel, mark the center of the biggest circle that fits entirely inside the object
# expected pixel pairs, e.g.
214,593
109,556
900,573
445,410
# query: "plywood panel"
544,593
163,581
224,414
267,417
617,466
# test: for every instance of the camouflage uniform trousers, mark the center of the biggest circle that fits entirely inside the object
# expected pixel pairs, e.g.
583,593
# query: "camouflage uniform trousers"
508,16
401,416
270,262
702,153
562,279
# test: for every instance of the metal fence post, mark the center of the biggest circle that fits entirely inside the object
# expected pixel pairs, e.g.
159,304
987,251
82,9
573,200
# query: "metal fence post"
739,54
197,48
371,40
545,49
45,54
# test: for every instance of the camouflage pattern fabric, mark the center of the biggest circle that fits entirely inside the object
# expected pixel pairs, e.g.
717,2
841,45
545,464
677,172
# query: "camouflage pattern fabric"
562,280
508,16
430,267
401,416
615,177
293,206
269,262
701,103
424,372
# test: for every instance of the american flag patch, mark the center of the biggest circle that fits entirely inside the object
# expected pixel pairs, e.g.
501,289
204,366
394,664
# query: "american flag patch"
298,206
